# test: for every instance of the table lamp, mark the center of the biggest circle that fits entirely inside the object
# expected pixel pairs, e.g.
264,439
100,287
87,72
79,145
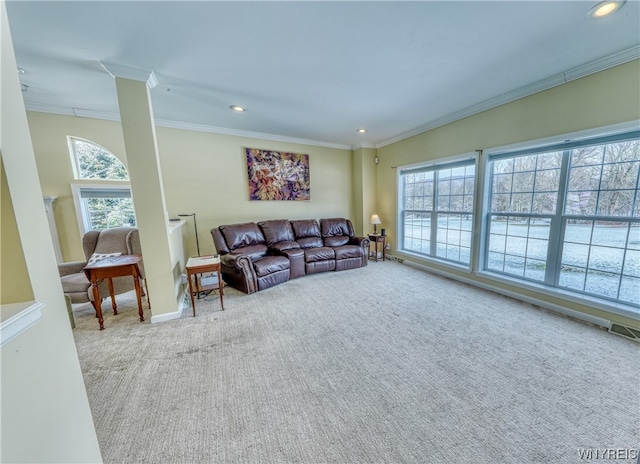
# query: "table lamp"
375,220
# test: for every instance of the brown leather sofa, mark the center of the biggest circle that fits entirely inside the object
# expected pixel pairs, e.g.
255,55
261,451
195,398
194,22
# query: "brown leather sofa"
258,256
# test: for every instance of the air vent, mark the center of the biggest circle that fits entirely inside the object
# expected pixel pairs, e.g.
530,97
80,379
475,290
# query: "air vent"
627,332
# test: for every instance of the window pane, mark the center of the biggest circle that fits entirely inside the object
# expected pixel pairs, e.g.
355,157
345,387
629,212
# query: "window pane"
585,178
95,162
602,283
572,278
587,156
581,203
523,244
593,257
525,163
578,232
630,290
454,237
535,269
523,182
521,202
501,203
615,202
632,263
574,254
606,259
545,203
417,232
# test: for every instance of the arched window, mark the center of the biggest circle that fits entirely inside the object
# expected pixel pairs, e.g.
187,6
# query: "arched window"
91,161
103,204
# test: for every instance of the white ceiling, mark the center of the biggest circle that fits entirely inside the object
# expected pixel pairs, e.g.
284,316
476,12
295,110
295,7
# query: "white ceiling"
312,71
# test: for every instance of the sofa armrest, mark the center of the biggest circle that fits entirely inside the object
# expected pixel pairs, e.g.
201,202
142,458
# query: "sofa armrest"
235,260
360,241
238,271
73,267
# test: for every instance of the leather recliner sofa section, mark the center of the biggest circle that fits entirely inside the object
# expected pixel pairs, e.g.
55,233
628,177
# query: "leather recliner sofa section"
258,256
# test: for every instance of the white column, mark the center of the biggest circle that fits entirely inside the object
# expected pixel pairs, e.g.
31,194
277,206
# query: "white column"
138,127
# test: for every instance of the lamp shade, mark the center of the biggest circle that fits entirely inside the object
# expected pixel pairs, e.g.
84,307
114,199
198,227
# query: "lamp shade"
375,219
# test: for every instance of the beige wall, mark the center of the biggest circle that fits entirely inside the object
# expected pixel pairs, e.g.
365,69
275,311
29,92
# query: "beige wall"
606,98
203,173
364,188
49,134
45,410
206,174
15,284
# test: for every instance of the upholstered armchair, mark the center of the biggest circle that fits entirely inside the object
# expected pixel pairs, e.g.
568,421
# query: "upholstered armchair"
96,244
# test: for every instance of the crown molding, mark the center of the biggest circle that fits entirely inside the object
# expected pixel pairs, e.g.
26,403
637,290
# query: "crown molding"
111,116
539,86
363,145
249,134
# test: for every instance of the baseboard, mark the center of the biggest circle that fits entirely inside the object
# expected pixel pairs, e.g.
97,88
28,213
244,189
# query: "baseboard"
174,315
516,296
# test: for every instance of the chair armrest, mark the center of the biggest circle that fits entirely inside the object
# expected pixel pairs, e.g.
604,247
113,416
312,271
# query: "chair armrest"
73,267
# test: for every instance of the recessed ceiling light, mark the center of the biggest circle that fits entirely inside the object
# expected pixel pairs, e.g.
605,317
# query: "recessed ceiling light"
238,108
361,131
605,8
21,71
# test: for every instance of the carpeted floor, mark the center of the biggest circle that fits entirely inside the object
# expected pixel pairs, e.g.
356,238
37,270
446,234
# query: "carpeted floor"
385,364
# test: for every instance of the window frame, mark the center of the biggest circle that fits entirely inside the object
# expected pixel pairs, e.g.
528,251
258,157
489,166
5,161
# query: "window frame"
121,187
463,160
82,214
550,285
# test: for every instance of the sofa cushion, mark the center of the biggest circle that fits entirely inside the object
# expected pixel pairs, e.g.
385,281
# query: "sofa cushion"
242,235
319,254
336,227
349,251
310,242
254,252
277,230
336,241
305,228
270,264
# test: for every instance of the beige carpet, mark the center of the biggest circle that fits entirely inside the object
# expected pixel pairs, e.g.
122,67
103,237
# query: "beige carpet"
385,364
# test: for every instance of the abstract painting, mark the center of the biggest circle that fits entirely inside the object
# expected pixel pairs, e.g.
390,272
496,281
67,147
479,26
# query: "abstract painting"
275,175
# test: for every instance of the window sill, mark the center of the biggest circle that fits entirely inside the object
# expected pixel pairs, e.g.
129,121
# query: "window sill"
17,318
618,309
432,260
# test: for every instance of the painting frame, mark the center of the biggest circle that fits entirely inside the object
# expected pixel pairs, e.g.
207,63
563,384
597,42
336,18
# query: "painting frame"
277,175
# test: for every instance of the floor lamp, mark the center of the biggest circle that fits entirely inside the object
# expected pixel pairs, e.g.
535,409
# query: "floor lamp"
195,227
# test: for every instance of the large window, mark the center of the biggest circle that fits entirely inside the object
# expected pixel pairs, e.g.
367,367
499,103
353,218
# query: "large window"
437,210
569,217
100,205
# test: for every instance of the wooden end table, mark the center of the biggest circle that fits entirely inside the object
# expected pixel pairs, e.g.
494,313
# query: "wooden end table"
108,268
199,265
377,238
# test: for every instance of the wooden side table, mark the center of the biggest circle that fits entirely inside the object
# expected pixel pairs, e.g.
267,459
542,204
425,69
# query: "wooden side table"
108,268
199,265
376,239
